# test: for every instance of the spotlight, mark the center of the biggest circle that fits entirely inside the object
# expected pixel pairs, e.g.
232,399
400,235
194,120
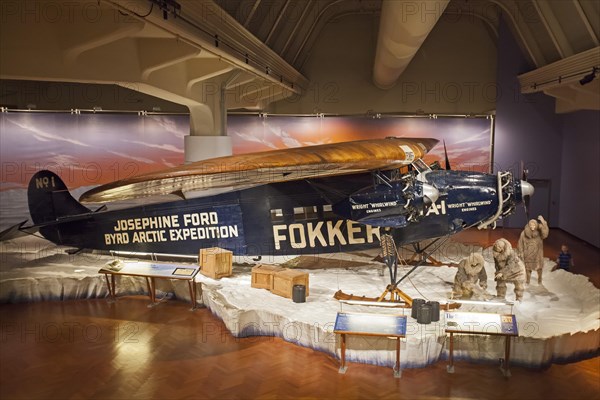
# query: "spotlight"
167,7
589,77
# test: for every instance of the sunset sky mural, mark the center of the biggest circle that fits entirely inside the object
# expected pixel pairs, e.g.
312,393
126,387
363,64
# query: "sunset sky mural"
88,149
92,149
467,139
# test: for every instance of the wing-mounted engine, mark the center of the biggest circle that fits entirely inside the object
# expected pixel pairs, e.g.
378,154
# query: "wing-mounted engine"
509,194
388,203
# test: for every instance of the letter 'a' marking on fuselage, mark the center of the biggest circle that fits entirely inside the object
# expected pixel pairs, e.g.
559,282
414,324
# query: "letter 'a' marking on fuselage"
435,208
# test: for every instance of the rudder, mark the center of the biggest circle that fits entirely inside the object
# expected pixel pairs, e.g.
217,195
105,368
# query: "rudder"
49,198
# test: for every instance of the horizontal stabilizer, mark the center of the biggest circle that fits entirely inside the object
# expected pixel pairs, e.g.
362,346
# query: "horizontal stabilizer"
14,232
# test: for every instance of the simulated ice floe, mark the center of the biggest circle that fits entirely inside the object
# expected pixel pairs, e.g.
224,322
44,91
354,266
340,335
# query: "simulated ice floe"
558,321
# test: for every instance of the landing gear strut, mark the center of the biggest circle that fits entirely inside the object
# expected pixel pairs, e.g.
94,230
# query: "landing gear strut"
421,256
391,257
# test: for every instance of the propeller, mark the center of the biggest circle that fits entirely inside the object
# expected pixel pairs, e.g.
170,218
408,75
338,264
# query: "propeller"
526,189
446,157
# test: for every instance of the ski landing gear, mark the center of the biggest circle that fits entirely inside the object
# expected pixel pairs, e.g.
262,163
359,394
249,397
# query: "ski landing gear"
390,257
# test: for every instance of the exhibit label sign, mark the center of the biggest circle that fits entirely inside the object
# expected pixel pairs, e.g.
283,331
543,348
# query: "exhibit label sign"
482,323
370,324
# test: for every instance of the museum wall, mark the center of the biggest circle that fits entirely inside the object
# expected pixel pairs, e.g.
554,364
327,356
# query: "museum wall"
453,72
528,130
39,95
580,192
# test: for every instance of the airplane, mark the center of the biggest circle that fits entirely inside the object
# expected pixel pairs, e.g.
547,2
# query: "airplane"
309,200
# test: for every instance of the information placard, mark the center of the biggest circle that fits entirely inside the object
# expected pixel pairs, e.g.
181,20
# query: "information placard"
483,323
371,324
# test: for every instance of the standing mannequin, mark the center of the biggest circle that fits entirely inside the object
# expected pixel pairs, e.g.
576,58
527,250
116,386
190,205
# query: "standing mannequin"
509,269
531,246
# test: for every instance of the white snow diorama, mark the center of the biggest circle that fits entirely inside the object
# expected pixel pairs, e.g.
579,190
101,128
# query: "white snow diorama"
322,206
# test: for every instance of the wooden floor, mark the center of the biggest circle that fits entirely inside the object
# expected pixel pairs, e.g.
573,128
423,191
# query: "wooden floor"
97,350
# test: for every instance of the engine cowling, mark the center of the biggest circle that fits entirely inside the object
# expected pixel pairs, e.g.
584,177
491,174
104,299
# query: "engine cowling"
394,204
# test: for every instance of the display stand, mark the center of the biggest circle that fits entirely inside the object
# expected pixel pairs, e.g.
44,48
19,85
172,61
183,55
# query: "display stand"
384,325
396,296
151,271
482,324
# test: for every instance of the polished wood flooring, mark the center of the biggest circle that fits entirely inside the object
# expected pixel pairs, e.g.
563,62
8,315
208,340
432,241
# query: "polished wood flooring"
98,350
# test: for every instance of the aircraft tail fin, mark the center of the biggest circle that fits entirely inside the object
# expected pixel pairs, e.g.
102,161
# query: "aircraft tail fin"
49,199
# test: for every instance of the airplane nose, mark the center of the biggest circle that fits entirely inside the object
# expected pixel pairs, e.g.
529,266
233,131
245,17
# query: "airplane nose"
430,192
527,189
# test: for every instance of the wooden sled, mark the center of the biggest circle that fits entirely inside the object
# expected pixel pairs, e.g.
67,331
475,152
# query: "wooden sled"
340,295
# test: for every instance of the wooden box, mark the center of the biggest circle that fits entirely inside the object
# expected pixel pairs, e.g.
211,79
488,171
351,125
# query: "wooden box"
284,281
215,262
262,276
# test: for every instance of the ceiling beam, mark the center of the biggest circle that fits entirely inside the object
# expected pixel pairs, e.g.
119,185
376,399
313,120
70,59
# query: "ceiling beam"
296,26
155,54
525,36
277,21
560,72
203,24
251,13
586,22
553,28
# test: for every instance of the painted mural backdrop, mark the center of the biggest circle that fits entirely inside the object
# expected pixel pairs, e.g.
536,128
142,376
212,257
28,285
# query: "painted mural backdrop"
467,139
87,150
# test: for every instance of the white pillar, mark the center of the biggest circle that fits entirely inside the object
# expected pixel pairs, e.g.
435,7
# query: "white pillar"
199,148
208,133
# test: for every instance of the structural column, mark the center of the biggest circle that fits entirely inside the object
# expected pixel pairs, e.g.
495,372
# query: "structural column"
208,130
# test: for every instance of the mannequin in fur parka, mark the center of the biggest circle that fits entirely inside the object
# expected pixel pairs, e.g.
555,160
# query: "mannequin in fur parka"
531,246
509,269
470,272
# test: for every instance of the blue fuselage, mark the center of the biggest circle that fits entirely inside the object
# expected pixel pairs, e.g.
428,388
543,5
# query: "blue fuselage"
301,217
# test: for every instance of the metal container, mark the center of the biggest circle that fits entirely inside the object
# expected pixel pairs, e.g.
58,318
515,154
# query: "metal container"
415,307
424,314
435,310
299,294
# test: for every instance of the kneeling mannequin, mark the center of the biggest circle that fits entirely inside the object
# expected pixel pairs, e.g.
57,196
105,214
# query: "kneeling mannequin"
470,272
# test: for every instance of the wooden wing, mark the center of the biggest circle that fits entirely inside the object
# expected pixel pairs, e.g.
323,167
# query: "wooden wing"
267,167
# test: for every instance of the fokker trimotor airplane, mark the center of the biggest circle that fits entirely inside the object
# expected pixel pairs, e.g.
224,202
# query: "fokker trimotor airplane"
317,199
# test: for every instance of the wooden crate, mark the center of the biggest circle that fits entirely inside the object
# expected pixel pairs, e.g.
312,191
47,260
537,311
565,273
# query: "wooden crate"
284,281
215,262
262,276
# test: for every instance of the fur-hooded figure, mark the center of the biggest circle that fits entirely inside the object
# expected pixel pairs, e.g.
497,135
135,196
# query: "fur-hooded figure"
470,272
531,246
509,269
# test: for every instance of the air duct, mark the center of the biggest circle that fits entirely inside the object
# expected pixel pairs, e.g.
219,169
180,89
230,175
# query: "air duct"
403,27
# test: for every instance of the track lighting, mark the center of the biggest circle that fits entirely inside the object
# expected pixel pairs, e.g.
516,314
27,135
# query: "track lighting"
589,77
